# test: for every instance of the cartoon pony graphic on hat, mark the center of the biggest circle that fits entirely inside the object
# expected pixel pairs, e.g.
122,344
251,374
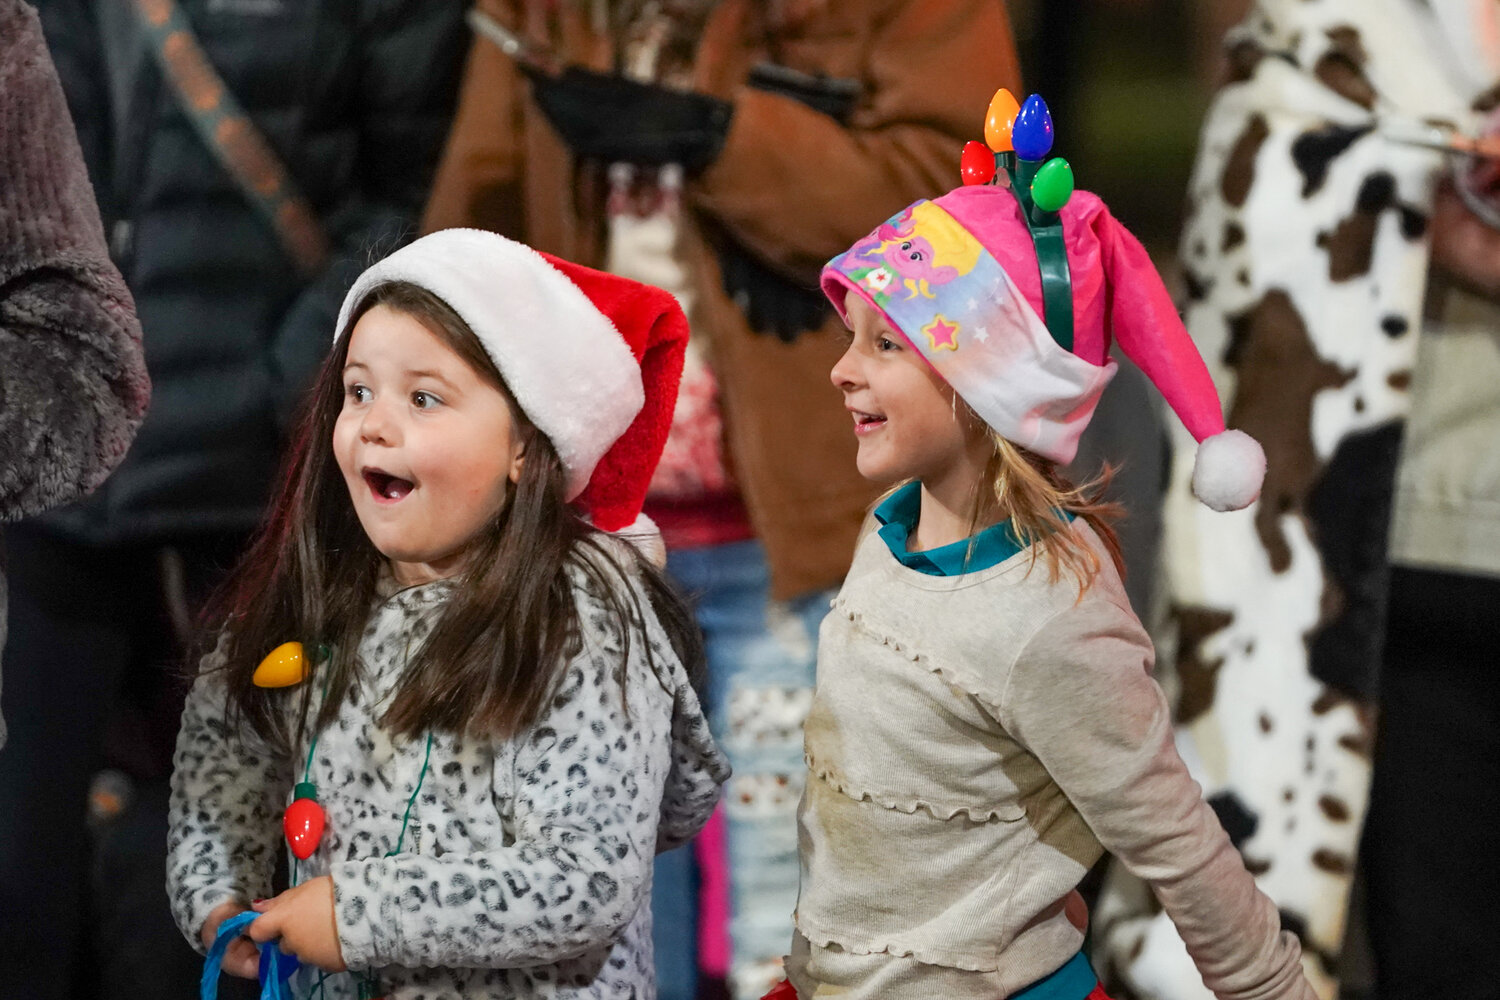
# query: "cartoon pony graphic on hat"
916,250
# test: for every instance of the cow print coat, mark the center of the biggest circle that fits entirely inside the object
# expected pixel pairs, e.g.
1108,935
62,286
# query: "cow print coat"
1306,258
525,868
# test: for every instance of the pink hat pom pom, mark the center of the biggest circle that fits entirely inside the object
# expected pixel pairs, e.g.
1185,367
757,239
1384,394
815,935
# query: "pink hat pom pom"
1229,470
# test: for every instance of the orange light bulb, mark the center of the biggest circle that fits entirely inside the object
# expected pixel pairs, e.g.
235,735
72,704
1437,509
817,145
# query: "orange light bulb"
998,120
283,666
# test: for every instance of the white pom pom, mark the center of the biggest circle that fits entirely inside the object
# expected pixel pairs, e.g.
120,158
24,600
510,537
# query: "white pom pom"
646,537
1229,470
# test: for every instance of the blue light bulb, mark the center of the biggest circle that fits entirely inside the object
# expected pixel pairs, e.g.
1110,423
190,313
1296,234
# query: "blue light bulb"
1032,133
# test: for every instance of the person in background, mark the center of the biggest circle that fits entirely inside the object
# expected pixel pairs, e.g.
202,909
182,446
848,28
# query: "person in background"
1335,652
723,151
247,156
73,383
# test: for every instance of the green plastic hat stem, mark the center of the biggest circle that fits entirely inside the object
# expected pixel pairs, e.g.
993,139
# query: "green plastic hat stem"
1051,255
1021,178
305,790
1057,281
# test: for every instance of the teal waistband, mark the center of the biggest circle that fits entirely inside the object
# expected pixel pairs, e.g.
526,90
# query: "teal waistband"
1074,981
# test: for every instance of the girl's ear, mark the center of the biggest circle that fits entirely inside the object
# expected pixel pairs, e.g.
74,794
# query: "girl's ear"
517,458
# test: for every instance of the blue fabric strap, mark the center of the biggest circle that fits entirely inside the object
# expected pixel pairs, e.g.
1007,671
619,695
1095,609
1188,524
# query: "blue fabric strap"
275,967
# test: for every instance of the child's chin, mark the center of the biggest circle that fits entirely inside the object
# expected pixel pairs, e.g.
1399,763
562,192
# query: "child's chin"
877,472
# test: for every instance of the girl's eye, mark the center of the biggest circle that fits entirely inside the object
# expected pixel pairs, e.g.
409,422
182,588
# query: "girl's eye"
916,255
424,400
906,245
887,344
357,393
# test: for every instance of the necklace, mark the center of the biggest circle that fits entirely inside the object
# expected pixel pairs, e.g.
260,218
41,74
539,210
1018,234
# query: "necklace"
304,821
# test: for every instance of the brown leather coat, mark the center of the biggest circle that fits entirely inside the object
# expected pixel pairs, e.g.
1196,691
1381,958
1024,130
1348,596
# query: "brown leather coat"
791,185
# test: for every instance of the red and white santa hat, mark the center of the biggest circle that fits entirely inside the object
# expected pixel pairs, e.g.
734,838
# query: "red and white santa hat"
592,358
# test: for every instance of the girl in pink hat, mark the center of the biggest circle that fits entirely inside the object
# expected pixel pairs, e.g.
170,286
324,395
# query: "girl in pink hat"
985,722
497,731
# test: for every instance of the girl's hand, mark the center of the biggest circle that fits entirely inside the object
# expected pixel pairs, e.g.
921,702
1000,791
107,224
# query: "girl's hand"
302,917
241,958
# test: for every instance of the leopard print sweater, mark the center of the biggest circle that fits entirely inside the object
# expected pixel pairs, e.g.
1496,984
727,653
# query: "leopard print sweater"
526,865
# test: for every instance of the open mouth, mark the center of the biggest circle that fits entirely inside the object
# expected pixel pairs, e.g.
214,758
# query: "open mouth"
386,486
864,423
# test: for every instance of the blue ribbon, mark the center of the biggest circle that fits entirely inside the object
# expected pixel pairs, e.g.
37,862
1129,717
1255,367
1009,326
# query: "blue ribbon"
275,967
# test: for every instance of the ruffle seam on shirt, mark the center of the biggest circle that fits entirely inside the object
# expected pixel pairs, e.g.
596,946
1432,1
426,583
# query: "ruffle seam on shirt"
882,946
956,676
908,804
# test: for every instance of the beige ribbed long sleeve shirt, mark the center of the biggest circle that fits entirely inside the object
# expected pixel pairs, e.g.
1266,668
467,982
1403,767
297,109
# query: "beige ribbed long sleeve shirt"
974,744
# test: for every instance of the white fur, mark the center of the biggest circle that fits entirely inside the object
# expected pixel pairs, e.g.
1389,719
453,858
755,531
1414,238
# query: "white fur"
1229,470
646,537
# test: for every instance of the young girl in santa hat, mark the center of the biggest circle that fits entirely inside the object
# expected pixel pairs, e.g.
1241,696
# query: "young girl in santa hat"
484,728
985,723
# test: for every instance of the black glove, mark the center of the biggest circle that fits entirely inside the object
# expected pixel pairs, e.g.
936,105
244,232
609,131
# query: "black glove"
772,303
613,119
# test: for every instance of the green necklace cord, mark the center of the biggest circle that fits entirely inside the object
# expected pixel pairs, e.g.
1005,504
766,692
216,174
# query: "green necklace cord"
368,987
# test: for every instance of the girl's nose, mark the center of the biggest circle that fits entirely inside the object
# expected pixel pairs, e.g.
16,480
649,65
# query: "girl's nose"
377,425
845,373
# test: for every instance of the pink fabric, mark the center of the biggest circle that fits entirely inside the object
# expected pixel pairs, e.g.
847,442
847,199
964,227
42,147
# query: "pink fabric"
1117,294
714,952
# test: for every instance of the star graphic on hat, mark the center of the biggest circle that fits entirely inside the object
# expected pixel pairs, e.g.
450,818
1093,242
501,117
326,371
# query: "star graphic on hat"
942,334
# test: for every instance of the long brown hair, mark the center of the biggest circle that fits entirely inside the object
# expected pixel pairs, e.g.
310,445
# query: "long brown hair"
501,643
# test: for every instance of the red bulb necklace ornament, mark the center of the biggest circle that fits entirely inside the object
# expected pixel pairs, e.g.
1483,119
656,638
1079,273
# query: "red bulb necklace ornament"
303,821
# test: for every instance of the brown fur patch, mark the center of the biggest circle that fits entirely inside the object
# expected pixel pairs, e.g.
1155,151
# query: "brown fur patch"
1400,381
1351,246
1334,808
1328,701
1199,677
1331,861
1257,866
1280,373
1239,168
1341,68
1487,101
1243,58
1358,744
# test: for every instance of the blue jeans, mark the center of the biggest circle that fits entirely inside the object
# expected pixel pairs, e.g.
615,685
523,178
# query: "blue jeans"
762,656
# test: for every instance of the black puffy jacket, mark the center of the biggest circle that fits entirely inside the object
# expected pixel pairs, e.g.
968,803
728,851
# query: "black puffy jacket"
355,96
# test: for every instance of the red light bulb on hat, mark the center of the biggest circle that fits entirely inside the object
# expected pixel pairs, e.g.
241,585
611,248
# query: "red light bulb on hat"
303,821
977,165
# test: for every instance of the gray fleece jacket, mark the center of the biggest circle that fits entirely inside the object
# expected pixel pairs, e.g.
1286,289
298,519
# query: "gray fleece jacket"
73,385
524,870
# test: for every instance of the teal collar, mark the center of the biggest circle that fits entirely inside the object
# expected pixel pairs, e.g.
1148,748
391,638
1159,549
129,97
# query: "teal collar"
898,519
1074,981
